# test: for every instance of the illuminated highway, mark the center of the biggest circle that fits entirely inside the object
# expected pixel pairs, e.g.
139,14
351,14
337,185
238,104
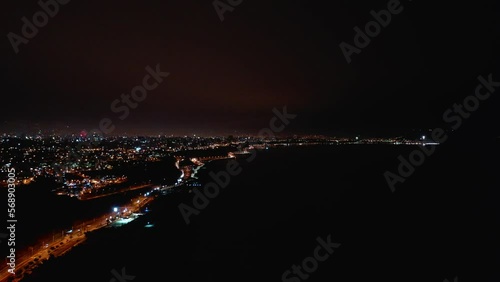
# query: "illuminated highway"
72,238
86,197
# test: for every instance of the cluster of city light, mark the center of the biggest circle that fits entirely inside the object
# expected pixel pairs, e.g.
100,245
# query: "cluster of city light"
55,156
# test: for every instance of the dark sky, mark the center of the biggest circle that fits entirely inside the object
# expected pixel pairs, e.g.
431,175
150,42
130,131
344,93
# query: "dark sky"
226,77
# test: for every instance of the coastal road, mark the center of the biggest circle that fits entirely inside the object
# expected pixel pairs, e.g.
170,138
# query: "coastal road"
61,246
132,188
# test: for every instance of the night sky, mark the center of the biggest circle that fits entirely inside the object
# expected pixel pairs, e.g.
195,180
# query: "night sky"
226,77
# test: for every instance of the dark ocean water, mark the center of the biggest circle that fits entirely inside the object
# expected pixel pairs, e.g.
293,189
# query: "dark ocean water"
439,223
